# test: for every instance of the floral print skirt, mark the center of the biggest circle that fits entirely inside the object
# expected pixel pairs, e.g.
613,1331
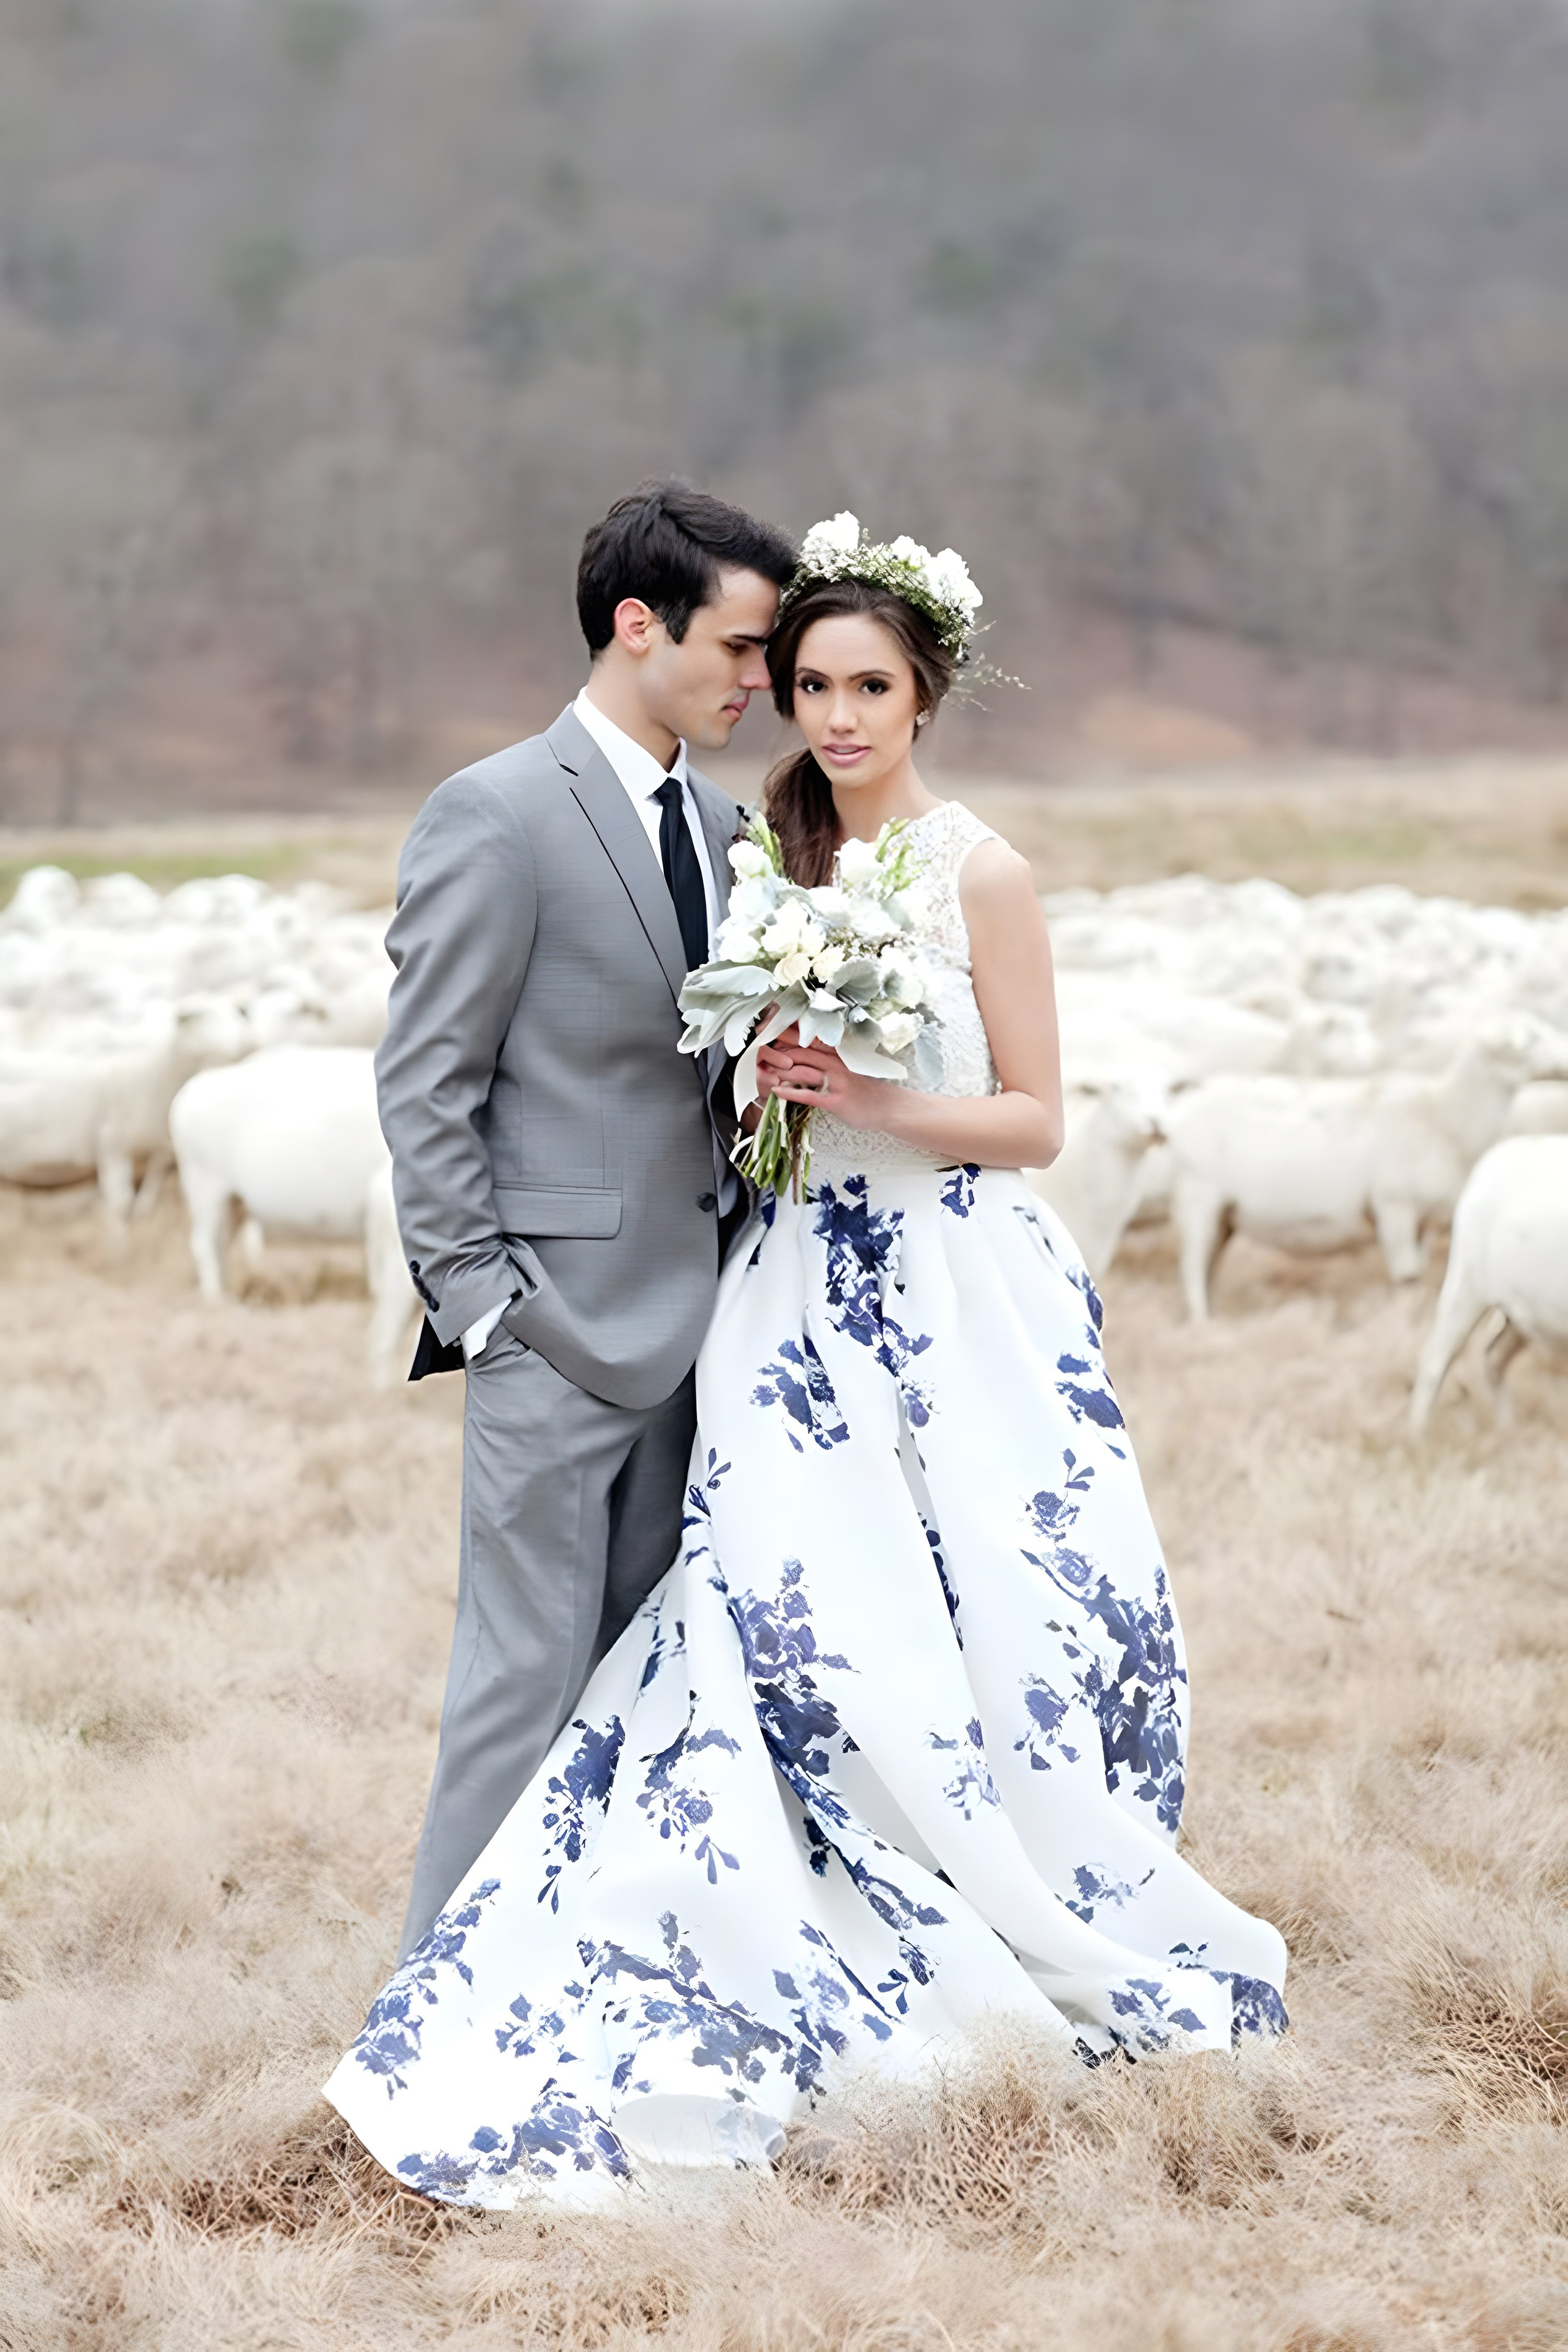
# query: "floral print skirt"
897,1742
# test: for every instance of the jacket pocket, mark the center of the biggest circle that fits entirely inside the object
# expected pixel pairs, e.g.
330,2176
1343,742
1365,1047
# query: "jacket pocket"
573,1211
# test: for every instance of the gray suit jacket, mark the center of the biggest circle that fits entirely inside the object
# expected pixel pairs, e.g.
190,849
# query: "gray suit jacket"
546,1137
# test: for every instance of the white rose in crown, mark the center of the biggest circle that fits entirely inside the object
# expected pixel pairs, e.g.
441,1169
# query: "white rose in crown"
950,577
939,586
827,543
837,960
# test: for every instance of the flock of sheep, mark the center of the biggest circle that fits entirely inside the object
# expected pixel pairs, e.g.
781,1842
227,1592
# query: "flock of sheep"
1240,1059
225,1028
1308,1071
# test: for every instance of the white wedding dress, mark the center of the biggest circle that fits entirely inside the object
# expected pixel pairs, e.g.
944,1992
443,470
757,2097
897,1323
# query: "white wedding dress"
897,1742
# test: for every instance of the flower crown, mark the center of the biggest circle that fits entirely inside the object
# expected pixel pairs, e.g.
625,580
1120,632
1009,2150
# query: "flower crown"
937,586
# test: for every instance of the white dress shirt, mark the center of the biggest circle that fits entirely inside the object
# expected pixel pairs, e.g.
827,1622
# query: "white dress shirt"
640,776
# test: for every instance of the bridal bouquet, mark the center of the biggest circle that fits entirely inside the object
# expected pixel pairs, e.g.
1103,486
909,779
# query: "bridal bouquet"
838,960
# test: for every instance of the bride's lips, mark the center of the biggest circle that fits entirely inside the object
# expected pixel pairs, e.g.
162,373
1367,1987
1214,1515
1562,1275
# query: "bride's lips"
845,754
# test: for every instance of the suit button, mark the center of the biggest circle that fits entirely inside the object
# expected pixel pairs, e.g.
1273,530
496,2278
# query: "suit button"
706,1200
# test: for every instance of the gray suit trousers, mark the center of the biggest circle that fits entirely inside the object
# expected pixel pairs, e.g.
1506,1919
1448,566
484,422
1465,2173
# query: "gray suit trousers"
572,1511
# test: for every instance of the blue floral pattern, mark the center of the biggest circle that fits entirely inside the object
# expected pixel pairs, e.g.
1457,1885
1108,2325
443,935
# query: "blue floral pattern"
900,1739
796,1380
862,1269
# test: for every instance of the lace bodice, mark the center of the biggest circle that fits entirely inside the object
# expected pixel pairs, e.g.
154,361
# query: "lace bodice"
944,837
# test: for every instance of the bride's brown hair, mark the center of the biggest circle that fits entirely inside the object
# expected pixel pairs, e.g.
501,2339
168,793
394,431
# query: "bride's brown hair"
798,798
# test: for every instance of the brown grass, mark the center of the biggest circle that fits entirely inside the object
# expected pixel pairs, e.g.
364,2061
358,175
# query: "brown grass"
1487,827
225,1596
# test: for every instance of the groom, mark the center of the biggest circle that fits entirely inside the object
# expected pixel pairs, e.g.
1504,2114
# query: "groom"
562,1183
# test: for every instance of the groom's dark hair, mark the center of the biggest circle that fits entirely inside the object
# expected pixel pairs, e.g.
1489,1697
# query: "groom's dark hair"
666,543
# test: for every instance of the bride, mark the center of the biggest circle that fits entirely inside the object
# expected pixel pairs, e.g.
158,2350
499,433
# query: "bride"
899,1741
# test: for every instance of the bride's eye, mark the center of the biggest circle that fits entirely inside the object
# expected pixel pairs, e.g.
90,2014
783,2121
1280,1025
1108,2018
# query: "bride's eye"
809,685
876,685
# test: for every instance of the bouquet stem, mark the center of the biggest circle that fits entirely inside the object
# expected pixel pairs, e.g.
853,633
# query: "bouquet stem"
777,1158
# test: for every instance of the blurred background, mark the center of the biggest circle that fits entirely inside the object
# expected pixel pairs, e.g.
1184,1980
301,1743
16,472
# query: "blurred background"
1228,338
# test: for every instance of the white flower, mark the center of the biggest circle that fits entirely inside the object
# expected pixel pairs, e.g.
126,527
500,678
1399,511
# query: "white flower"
829,905
747,860
909,551
901,980
792,968
827,544
755,899
827,961
949,575
735,941
873,925
858,864
793,932
899,1030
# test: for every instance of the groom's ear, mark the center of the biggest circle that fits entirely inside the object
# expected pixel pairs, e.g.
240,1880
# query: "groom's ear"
635,625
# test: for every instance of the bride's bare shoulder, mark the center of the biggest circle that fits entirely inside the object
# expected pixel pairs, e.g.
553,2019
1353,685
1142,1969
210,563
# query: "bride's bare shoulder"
994,873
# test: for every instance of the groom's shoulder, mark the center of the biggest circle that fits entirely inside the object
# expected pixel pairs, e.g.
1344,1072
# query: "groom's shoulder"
513,774
725,808
503,791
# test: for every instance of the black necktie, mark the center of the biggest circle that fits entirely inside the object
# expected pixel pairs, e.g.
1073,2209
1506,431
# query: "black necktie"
682,873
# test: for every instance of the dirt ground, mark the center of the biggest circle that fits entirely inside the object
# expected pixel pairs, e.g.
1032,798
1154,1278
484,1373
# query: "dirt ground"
226,1569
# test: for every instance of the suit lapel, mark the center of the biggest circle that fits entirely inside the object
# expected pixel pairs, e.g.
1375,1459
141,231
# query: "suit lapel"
603,799
720,824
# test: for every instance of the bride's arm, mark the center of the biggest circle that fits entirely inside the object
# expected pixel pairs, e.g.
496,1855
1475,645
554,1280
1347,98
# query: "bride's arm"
1010,957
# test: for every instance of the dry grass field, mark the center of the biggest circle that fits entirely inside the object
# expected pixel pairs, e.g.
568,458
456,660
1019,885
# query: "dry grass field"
226,1573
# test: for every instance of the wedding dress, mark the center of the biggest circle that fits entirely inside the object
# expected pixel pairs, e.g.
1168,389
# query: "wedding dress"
897,1742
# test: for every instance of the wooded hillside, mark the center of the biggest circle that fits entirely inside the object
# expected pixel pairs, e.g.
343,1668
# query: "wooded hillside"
325,325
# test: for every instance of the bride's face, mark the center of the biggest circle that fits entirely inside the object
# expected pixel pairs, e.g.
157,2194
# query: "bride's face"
855,699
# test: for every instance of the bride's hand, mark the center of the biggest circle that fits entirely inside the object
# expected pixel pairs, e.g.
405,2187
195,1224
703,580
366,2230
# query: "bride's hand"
820,1080
775,1061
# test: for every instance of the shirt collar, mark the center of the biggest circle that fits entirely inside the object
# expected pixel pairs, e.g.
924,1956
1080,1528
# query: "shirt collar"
638,771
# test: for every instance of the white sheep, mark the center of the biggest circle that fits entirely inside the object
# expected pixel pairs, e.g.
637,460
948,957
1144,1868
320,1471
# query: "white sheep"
1310,1165
1509,1255
1093,1183
1538,1108
291,1138
91,1098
